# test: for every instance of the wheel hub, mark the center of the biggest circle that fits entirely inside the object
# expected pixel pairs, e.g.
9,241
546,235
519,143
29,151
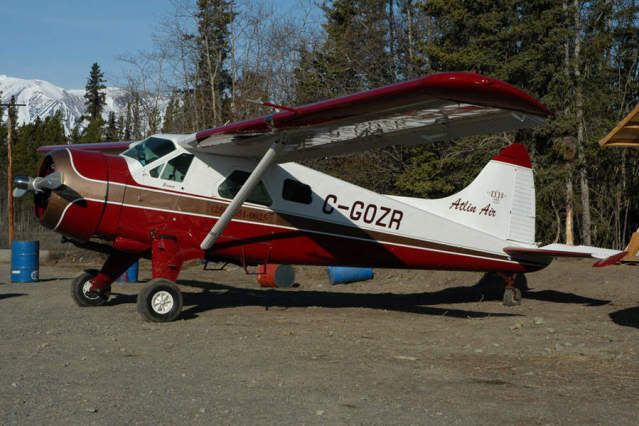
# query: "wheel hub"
86,291
162,302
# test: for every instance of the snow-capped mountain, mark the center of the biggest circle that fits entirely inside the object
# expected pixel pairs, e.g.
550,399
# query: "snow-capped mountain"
43,99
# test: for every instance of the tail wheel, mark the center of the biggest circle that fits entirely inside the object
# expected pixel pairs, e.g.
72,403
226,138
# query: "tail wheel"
80,290
160,301
512,296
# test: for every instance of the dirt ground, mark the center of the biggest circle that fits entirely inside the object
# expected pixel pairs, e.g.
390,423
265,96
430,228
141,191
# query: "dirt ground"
405,348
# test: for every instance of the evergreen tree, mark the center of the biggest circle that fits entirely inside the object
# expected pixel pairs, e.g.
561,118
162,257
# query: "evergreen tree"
212,79
111,132
121,130
126,132
356,54
137,131
94,131
53,130
94,93
76,133
94,102
168,124
3,145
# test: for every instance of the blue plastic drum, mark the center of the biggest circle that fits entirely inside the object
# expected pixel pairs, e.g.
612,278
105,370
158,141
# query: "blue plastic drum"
132,272
342,274
25,261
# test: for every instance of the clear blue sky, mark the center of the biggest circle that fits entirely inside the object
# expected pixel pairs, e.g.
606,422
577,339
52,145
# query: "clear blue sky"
59,40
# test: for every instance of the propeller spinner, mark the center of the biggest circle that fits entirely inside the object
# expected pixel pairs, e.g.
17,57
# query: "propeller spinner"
24,184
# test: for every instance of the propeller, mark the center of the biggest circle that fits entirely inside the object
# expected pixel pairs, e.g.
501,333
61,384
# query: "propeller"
24,184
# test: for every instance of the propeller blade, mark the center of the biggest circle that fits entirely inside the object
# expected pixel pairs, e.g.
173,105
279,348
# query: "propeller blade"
19,192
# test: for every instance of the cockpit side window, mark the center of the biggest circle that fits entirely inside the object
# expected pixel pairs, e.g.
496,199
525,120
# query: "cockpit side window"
177,167
298,192
150,150
155,171
232,184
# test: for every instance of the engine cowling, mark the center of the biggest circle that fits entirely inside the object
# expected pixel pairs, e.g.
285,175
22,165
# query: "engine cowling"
77,207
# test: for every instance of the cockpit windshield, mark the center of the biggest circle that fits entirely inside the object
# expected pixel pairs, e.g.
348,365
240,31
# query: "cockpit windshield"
150,150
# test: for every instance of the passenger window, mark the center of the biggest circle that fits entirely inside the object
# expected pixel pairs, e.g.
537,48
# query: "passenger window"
296,191
232,184
155,172
177,167
150,150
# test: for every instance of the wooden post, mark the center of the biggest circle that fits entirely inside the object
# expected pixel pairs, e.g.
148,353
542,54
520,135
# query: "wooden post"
11,109
10,177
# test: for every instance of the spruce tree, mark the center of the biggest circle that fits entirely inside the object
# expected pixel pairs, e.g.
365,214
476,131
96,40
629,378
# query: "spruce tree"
94,101
356,54
76,133
94,131
120,128
95,93
111,131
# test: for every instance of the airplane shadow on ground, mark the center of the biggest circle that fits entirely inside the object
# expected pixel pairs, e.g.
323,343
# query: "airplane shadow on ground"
627,317
215,296
10,295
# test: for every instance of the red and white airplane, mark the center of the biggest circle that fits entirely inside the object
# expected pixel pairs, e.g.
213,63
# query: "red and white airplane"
234,194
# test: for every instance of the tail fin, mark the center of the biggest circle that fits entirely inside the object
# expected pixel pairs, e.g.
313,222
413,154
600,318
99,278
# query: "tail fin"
500,201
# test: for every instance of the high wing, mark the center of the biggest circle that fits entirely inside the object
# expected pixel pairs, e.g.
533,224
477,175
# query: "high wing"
438,107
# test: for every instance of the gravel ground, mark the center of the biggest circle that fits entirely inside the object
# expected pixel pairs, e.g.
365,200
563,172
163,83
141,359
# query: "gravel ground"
405,348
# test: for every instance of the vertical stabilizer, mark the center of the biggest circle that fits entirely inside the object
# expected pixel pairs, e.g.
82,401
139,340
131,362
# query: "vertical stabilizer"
500,200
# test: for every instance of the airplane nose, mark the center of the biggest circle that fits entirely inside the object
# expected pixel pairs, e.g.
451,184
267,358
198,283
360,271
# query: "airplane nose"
69,191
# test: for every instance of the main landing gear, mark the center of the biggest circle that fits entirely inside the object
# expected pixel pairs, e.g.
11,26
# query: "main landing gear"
159,301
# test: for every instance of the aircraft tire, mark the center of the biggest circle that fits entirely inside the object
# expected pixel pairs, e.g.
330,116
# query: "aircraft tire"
160,301
512,297
80,287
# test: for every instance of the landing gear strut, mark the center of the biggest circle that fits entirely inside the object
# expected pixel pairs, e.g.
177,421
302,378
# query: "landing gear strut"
160,300
512,295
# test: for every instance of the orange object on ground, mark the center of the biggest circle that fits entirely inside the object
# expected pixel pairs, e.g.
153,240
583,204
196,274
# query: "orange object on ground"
274,275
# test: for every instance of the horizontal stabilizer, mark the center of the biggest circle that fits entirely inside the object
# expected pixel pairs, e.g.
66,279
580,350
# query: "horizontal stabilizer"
606,256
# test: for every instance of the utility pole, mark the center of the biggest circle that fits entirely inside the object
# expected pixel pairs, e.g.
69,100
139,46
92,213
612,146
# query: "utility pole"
10,111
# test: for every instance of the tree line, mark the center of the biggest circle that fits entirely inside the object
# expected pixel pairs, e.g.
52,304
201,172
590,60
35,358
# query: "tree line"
214,60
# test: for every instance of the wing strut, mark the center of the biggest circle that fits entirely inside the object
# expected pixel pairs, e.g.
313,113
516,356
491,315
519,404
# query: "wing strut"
253,180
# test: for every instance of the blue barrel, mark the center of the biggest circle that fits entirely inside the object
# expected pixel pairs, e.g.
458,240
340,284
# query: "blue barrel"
343,274
132,272
25,261
130,275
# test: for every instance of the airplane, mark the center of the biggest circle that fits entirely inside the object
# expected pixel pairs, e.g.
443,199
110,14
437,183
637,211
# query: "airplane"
235,194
